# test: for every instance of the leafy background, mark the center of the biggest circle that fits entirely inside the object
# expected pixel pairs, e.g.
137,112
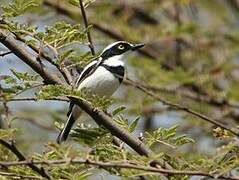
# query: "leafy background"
192,60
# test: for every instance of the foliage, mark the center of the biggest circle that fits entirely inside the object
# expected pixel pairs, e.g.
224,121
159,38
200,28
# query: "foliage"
61,34
167,136
189,60
50,91
18,7
17,84
7,133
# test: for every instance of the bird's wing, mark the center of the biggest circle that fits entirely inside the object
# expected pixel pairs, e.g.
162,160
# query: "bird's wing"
87,71
73,112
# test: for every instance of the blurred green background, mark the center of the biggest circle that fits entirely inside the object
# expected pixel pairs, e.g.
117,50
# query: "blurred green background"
190,58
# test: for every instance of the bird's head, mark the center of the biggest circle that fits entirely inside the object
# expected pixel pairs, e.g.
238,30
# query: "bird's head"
119,48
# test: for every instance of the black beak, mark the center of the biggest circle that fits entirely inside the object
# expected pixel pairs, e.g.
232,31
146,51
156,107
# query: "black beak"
136,46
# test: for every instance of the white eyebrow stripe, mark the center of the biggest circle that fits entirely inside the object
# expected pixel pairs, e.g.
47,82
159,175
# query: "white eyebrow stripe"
111,45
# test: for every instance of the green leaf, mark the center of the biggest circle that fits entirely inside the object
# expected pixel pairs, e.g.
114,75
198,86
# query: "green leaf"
18,7
74,2
62,33
133,125
170,132
24,76
183,139
49,91
88,136
81,59
9,80
86,3
83,175
7,133
118,110
167,136
64,55
122,121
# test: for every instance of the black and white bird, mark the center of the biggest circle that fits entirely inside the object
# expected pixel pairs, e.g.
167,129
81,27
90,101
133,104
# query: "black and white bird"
102,77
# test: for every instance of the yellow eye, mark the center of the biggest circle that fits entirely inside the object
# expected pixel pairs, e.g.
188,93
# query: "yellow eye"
121,47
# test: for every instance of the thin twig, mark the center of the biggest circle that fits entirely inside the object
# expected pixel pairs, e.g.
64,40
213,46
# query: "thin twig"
18,176
181,107
41,171
5,53
63,71
86,26
190,95
178,47
63,9
35,99
22,53
118,164
6,112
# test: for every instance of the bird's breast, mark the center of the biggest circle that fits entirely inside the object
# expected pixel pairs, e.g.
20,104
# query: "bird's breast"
102,82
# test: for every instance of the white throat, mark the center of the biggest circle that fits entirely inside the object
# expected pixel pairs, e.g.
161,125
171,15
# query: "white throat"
115,61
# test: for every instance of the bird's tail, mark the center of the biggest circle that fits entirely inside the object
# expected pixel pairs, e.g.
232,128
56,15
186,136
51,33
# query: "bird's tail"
73,116
66,130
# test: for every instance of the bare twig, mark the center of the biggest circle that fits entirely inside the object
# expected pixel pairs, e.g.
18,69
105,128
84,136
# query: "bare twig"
178,48
41,171
189,94
35,99
23,54
6,112
181,107
118,164
18,176
46,57
86,26
63,71
2,54
63,9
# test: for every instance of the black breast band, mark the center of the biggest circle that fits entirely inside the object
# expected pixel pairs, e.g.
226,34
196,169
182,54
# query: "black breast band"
117,71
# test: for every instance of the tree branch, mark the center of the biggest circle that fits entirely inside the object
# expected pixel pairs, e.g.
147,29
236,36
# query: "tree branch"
63,9
181,107
41,171
2,54
219,102
86,26
102,119
122,164
18,176
27,57
99,116
63,71
35,99
147,52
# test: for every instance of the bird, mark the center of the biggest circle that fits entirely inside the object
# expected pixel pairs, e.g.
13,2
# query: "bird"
102,77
